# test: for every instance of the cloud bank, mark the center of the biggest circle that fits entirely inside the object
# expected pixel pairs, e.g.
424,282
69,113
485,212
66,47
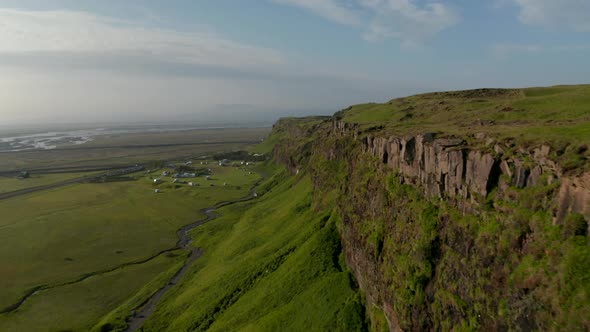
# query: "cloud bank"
332,10
406,20
81,34
68,66
571,14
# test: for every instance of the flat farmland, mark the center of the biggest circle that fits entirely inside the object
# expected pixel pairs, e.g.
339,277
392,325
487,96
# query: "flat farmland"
54,238
124,149
11,183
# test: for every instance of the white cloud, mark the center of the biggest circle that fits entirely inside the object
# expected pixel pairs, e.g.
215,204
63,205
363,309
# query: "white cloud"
333,10
79,33
406,20
504,50
69,66
507,49
572,14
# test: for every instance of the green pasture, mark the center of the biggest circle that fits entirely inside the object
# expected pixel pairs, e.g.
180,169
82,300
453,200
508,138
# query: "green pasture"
551,114
58,235
8,184
78,307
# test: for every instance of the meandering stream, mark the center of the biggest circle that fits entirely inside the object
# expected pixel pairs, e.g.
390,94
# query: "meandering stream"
138,317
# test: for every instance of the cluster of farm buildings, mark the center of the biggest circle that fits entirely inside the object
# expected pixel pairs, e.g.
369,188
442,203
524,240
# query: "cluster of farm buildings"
206,172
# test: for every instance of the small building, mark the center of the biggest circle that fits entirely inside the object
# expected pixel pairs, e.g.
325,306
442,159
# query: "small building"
185,175
208,177
224,162
157,181
165,173
24,175
175,181
157,191
191,184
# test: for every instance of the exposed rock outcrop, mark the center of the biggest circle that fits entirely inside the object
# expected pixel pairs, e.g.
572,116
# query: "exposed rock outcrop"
451,243
446,167
574,196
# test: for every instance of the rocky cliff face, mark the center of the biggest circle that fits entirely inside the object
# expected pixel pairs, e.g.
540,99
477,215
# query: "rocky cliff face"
574,196
447,168
453,232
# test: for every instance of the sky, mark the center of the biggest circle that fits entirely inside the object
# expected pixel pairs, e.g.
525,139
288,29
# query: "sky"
68,61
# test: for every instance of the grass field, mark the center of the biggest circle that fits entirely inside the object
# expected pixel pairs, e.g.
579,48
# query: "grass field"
78,307
552,114
274,264
8,184
55,236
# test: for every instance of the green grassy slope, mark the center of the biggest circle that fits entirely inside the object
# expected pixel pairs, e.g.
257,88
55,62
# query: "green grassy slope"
552,114
284,129
270,265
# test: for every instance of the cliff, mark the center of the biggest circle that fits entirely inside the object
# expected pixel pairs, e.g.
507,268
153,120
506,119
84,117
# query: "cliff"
448,169
454,226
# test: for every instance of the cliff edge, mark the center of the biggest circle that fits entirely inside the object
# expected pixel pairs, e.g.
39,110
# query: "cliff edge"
458,210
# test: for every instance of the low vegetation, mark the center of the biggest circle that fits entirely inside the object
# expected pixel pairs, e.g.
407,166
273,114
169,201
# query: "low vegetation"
79,306
499,262
12,183
57,236
335,240
272,264
557,114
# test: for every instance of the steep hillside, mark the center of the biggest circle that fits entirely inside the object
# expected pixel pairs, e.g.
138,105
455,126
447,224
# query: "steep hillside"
458,210
273,264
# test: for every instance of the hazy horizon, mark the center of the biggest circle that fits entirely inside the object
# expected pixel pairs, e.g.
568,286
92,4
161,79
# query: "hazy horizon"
246,118
227,61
